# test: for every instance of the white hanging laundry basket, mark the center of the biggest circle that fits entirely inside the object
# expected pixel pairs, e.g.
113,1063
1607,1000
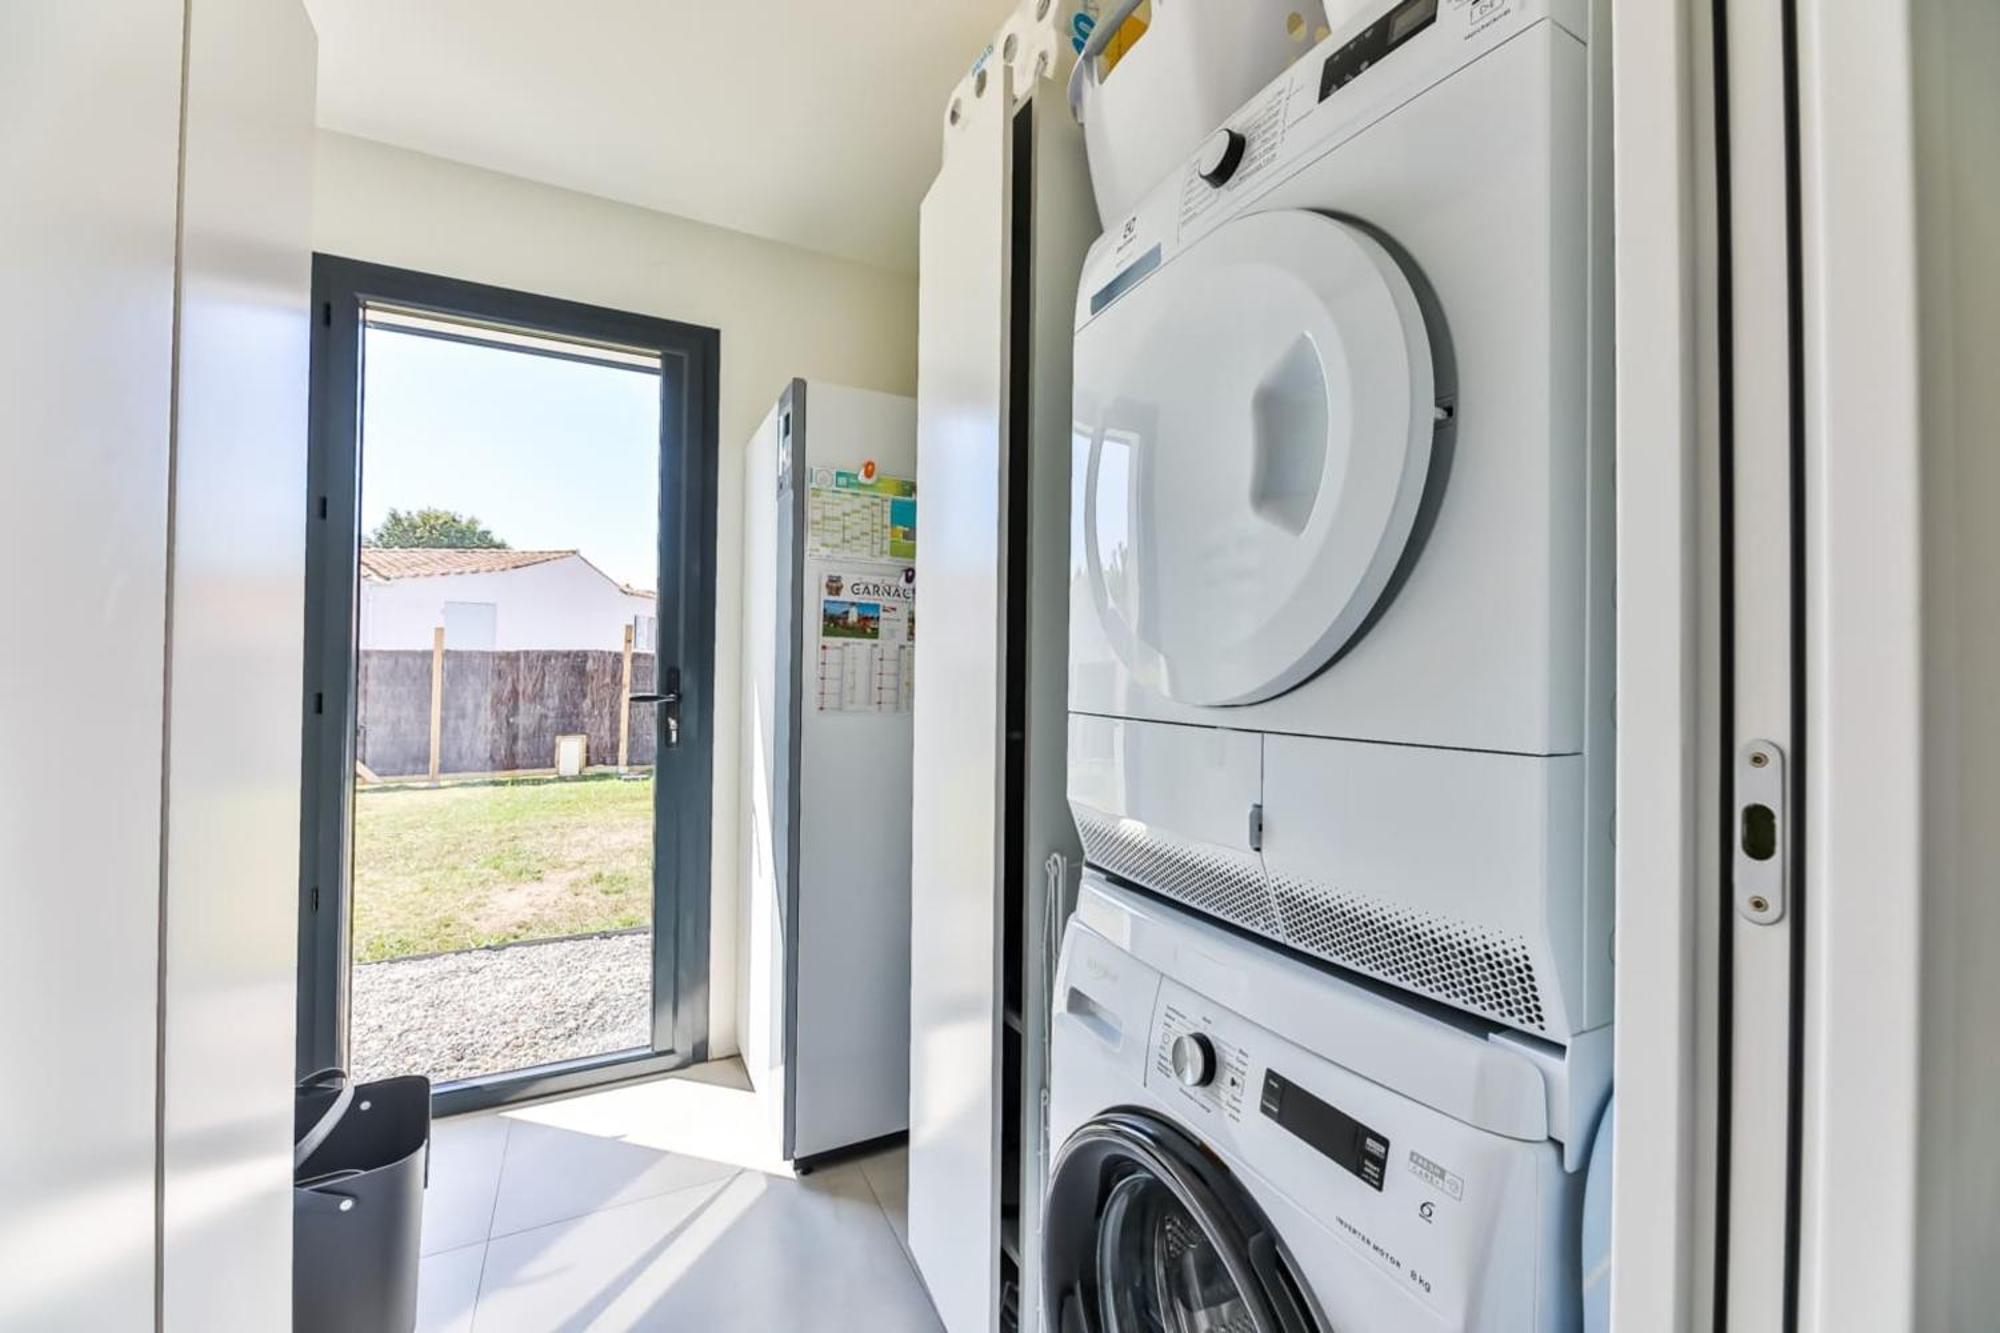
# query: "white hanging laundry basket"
1148,95
1039,40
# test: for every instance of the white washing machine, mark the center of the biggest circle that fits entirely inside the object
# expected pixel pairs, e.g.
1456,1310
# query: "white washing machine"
1251,1144
1341,555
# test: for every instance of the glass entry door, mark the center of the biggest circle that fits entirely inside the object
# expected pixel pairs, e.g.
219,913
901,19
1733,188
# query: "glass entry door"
507,713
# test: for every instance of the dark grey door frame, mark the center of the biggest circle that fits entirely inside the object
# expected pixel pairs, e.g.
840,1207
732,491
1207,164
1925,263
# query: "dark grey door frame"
684,775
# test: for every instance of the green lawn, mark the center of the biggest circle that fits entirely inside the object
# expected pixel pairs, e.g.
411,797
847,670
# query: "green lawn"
442,869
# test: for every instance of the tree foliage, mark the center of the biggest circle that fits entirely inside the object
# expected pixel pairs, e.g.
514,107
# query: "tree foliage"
432,528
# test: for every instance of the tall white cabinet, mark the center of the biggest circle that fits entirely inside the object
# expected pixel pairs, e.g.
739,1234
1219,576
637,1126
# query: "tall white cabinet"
153,327
829,652
1004,230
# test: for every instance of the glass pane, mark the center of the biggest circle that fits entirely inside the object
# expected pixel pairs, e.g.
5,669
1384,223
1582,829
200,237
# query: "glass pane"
1158,1270
503,797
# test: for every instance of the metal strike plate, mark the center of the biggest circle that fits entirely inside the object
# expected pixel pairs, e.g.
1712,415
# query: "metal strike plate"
1762,834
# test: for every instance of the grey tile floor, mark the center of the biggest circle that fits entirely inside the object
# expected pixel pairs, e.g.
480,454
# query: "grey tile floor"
659,1206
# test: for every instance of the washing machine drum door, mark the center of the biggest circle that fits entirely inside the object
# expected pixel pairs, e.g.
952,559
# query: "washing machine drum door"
1254,436
1145,1234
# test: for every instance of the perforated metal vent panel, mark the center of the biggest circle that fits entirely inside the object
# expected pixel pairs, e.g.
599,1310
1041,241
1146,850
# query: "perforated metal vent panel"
1210,879
1458,962
1447,959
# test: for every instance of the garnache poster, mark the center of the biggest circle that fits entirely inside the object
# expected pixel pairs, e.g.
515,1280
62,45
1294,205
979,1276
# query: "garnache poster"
866,654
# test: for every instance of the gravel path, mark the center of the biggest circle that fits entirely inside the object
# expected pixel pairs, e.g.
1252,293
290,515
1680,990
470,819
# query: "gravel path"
487,1011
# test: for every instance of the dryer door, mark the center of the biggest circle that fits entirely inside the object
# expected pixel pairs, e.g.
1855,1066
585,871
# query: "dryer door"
1254,437
1144,1233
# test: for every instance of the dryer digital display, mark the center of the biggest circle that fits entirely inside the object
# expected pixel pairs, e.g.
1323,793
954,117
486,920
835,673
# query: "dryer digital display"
1376,41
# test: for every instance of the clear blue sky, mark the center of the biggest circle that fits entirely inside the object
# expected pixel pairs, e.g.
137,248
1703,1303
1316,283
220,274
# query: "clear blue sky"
548,454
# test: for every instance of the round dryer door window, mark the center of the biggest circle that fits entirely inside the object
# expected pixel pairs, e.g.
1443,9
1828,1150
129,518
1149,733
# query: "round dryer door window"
1255,428
1145,1234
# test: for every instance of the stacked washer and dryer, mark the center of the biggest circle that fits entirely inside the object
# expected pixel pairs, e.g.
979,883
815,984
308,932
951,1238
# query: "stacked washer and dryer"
1332,1021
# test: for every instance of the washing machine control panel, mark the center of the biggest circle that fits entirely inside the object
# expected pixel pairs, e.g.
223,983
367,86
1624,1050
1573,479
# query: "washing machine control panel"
1353,1146
1392,1154
1191,1058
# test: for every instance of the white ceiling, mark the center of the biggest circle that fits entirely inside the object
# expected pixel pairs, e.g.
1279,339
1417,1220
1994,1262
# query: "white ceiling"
815,122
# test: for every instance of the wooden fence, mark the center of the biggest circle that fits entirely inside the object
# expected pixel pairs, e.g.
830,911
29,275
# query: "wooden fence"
451,711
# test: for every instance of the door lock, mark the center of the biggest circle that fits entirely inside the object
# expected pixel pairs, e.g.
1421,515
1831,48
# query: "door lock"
1762,822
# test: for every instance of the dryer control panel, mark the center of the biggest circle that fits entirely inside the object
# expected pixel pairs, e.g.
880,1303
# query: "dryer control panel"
1390,53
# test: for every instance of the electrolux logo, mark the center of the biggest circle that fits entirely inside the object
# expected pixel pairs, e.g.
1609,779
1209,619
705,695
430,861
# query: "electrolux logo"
1128,235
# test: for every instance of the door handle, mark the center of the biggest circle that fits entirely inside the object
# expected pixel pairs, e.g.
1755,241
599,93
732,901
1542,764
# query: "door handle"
670,701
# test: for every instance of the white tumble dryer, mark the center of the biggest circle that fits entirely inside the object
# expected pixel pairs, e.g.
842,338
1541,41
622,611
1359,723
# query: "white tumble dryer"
1341,604
1252,1144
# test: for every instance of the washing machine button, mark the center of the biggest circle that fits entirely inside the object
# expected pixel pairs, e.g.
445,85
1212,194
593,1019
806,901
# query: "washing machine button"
1220,156
1194,1060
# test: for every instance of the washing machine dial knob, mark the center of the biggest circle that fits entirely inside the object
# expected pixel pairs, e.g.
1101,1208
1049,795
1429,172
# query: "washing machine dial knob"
1220,155
1194,1060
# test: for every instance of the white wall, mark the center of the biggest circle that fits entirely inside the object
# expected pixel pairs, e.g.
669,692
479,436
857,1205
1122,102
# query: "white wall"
556,604
782,311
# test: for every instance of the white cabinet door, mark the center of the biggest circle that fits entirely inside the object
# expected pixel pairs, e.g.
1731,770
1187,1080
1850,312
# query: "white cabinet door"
954,899
88,151
235,667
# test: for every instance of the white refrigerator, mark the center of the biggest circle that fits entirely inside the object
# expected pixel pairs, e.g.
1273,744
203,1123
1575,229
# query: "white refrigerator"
829,658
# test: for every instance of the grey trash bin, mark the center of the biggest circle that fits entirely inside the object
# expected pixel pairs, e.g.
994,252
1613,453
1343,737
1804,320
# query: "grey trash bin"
361,1159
